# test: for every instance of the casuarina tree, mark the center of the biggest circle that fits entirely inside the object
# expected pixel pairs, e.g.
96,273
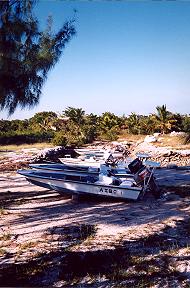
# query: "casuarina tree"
26,53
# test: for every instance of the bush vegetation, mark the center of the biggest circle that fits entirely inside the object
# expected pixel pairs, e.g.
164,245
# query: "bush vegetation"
74,127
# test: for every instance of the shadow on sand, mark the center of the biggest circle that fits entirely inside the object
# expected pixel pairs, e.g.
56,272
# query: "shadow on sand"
146,260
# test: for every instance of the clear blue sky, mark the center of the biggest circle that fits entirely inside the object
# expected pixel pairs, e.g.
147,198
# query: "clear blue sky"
127,57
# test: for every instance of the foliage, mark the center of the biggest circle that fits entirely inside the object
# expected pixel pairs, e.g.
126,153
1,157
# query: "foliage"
89,132
60,139
81,128
132,123
164,119
178,124
26,53
89,128
109,126
70,135
19,125
43,121
26,137
75,114
111,135
147,125
108,121
186,123
4,126
78,128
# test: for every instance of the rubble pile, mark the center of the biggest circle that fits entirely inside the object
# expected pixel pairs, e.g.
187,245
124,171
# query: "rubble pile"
11,161
52,154
164,155
173,158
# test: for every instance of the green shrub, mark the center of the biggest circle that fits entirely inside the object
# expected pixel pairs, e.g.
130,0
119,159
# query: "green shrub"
111,135
68,139
28,137
60,139
89,133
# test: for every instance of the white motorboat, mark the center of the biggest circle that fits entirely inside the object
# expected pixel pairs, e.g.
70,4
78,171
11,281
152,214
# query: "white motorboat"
76,182
83,151
82,184
82,163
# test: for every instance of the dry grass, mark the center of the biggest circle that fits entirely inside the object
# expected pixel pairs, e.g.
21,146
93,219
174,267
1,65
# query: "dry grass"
4,148
28,245
3,211
176,142
130,137
179,142
2,252
5,236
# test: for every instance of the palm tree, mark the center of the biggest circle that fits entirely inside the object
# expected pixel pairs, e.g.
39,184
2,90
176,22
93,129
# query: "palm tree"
109,121
75,114
133,123
164,119
148,124
43,121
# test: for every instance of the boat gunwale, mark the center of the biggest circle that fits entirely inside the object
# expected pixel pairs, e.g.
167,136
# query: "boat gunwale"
84,183
59,170
62,170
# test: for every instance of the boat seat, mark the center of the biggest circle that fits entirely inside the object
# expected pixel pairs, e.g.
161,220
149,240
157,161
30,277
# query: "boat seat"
126,183
116,181
91,179
104,180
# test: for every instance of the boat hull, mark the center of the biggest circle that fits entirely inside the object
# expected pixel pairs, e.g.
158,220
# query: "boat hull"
75,187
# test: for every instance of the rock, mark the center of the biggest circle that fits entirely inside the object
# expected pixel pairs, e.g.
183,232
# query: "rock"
156,134
183,152
183,267
150,139
174,133
160,139
170,196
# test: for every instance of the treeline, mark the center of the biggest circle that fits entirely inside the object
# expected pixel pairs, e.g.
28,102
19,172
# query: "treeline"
74,127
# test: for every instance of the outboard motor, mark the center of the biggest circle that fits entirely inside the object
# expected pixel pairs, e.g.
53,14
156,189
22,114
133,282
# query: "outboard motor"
135,166
143,176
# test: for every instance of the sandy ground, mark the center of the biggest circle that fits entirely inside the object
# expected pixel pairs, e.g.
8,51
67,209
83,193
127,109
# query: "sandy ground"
31,210
34,220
